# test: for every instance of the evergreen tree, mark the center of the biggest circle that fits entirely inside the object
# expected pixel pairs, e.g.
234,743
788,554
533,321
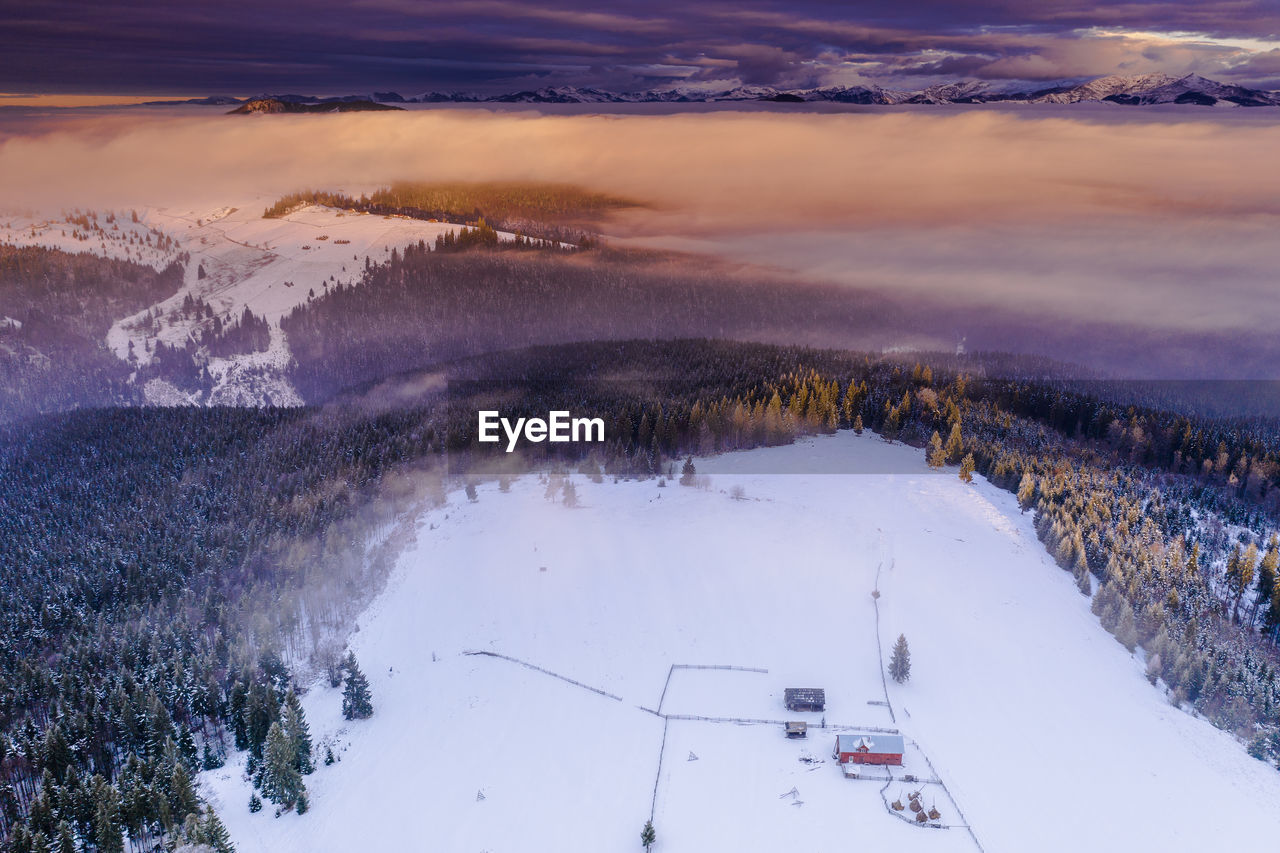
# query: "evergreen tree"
357,701
182,795
900,661
255,804
66,840
215,834
857,424
1267,571
967,466
281,782
299,734
647,835
107,827
687,472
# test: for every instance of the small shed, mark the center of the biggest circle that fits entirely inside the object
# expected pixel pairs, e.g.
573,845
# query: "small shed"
869,749
797,729
805,699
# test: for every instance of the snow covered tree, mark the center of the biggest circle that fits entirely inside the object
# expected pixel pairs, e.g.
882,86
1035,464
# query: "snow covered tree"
967,466
687,472
215,834
1126,627
182,794
570,495
1080,571
900,661
647,835
357,701
66,840
107,827
299,734
1267,571
281,782
255,804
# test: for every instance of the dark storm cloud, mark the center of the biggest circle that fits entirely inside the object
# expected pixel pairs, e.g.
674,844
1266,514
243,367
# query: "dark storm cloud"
486,45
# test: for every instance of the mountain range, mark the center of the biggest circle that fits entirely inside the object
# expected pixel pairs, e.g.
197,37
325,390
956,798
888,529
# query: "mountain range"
1143,89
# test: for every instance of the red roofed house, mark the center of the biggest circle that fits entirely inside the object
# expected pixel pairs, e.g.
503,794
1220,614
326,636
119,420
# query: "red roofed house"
869,749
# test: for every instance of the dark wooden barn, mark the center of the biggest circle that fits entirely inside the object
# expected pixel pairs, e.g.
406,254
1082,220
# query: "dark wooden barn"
805,698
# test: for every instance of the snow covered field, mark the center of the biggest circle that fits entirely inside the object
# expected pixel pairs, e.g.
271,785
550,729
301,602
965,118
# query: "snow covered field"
1040,725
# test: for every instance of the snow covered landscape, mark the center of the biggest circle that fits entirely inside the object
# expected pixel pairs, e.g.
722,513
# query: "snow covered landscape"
1037,722
237,259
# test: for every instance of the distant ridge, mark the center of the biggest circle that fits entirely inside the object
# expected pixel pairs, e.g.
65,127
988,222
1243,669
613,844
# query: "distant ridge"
275,105
1136,90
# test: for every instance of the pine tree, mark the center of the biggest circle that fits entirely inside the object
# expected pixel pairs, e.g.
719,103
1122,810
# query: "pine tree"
687,472
1267,571
281,782
1026,491
648,837
900,661
967,466
255,804
66,840
955,443
182,795
299,734
1081,574
1126,628
937,456
215,834
107,827
857,424
357,701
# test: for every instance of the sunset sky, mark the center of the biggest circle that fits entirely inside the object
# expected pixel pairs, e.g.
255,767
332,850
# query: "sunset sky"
330,46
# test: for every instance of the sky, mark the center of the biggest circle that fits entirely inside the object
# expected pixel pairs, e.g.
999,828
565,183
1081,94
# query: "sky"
241,47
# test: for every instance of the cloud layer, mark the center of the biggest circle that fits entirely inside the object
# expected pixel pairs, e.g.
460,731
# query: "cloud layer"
1163,224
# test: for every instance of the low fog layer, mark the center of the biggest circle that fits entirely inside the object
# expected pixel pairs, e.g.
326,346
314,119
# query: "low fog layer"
1165,224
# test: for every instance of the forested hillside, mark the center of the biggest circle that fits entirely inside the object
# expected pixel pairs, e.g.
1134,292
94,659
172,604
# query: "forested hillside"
172,570
55,310
425,307
545,211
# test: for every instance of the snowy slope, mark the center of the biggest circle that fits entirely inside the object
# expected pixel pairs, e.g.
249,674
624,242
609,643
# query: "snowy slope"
269,265
1039,724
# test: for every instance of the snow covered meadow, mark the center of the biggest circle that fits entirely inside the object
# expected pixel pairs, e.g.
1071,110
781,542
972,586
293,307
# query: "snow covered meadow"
1039,724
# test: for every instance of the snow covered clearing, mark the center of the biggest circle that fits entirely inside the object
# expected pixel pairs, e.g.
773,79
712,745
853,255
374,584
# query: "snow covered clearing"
1040,725
269,266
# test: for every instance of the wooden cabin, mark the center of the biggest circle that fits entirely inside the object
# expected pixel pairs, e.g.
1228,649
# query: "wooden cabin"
797,729
870,749
805,698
